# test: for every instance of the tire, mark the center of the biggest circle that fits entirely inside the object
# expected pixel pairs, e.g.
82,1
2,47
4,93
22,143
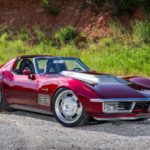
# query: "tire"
3,104
67,109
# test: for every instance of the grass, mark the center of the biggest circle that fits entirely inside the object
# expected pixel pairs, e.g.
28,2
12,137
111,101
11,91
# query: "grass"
66,35
124,53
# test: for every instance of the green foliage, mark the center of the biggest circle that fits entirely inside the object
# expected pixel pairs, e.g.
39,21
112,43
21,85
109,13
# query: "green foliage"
95,2
130,4
141,31
66,35
23,35
118,59
40,35
117,29
4,37
139,34
110,55
117,5
50,7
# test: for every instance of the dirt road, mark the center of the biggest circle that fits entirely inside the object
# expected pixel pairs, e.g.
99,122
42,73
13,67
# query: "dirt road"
28,131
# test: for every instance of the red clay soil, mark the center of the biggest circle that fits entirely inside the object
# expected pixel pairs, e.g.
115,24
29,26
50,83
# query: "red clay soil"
14,14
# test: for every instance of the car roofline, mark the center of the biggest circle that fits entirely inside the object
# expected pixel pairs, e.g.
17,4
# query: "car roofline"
42,56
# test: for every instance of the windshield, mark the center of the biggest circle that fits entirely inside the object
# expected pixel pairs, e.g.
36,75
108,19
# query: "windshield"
54,65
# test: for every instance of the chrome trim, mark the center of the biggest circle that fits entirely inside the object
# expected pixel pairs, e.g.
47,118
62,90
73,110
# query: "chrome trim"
123,118
44,99
35,67
31,109
132,107
120,111
120,100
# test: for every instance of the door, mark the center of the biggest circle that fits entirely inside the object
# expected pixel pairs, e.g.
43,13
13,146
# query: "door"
19,88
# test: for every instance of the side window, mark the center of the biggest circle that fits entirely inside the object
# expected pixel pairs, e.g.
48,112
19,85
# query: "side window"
24,64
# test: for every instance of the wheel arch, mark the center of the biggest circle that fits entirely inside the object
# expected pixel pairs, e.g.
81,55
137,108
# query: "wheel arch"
83,92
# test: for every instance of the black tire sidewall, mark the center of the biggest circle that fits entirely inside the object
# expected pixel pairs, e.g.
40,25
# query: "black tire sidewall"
79,122
1,97
3,103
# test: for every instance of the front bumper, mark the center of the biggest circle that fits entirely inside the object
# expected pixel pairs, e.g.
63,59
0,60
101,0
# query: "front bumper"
123,117
140,109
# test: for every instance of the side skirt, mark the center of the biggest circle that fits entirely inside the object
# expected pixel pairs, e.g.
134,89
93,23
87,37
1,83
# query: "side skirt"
31,109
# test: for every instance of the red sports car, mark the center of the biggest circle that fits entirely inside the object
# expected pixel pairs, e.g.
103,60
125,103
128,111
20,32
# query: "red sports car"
66,88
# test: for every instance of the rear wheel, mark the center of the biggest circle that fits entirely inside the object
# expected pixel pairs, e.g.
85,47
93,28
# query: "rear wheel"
3,104
67,109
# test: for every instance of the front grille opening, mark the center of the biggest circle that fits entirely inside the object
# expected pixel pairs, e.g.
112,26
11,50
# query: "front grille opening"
124,106
141,106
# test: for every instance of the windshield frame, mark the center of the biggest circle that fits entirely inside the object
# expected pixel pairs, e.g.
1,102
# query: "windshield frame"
35,60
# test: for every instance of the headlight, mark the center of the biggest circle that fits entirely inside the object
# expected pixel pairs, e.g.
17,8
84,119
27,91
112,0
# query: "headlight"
110,107
117,107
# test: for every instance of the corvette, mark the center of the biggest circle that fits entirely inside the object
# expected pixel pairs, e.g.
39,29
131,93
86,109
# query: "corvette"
66,88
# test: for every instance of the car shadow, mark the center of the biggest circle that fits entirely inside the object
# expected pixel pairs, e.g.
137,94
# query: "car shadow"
121,128
34,115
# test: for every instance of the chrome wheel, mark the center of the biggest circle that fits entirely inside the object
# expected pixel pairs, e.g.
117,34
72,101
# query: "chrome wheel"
67,107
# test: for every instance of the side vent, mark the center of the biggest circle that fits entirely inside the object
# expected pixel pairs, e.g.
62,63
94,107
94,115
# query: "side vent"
44,99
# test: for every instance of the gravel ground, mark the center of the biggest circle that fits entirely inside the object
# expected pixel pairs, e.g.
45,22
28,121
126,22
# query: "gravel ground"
28,131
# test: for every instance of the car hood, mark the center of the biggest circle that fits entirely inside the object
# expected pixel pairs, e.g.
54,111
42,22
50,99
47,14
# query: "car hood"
95,78
109,86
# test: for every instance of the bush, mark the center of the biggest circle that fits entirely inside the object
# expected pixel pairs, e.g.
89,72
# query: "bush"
141,31
5,37
95,2
120,33
23,34
130,4
40,36
66,35
117,5
50,7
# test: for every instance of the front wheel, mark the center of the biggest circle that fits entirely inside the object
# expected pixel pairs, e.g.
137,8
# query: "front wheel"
67,109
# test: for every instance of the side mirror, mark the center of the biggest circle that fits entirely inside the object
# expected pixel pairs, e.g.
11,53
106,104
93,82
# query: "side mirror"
26,72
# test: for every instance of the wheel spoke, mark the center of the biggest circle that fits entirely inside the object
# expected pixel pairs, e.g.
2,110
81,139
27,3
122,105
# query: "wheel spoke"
75,98
69,118
68,108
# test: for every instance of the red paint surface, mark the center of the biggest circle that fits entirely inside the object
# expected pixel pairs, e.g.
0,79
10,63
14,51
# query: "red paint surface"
19,89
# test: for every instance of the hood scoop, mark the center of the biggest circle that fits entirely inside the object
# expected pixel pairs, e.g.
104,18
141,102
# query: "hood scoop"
94,78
